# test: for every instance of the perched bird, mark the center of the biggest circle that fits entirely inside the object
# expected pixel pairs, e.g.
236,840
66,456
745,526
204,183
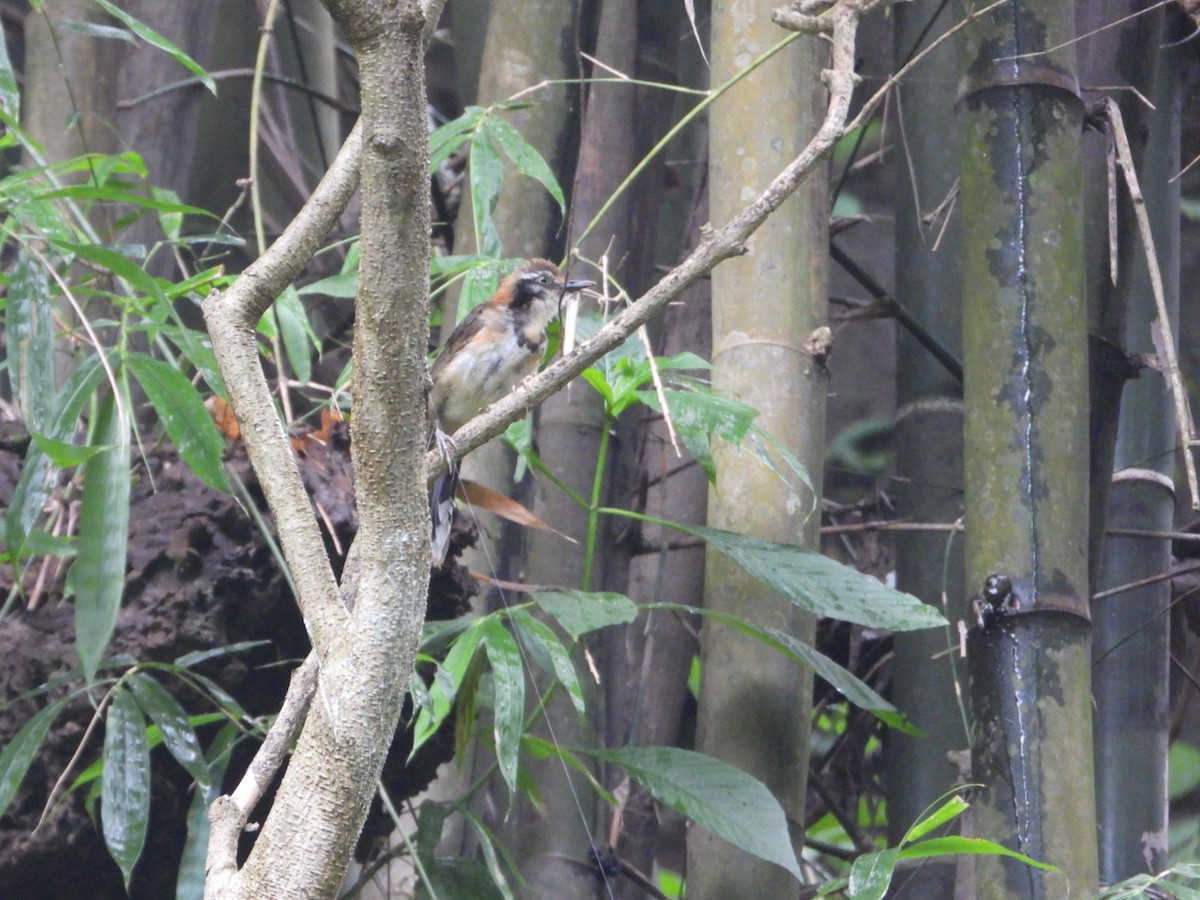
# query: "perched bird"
498,345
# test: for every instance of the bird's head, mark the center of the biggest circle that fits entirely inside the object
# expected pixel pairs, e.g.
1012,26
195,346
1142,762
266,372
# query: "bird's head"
537,288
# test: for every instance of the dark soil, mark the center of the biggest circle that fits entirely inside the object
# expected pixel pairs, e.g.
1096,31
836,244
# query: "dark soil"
201,575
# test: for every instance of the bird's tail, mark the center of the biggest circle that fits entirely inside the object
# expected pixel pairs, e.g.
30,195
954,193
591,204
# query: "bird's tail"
441,509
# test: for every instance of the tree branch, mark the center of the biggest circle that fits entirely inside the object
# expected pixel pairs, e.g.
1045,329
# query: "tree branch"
232,318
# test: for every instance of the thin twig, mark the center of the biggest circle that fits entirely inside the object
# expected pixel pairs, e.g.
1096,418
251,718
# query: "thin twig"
1171,360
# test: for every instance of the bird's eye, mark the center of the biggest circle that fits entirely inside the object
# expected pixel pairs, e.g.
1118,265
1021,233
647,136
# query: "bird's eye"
544,278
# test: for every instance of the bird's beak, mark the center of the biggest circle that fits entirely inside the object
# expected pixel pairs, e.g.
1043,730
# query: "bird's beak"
572,286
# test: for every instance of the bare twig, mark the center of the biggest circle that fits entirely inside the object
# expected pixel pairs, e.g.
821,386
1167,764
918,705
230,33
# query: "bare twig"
1166,346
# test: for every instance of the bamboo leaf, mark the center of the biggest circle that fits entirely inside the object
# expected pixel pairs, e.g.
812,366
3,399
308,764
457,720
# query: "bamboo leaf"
846,682
296,333
98,573
523,155
487,173
731,804
34,485
10,94
951,809
545,640
579,612
508,693
165,712
183,414
820,584
945,846
66,455
871,875
19,752
449,678
449,137
125,793
154,39
29,329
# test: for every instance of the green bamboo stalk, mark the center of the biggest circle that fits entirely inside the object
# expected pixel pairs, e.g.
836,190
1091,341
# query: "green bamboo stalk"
753,708
1026,448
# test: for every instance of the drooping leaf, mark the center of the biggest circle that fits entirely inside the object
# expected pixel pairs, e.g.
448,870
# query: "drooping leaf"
98,573
188,660
189,884
125,793
10,95
871,874
29,330
734,806
579,612
20,751
165,712
818,583
296,332
182,412
154,39
523,155
951,844
343,284
449,678
449,137
486,174
545,641
34,485
65,455
846,682
508,693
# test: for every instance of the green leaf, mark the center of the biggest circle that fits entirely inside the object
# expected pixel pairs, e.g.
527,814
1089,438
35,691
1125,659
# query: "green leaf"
34,485
486,174
508,693
117,263
871,875
343,284
579,612
184,415
154,39
697,414
93,29
98,573
296,333
820,584
946,846
10,95
851,687
523,155
188,660
449,137
19,752
160,201
29,329
165,712
446,683
66,455
125,795
544,639
189,884
731,804
954,807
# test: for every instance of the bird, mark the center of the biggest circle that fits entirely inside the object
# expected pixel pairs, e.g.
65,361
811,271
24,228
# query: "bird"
494,348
